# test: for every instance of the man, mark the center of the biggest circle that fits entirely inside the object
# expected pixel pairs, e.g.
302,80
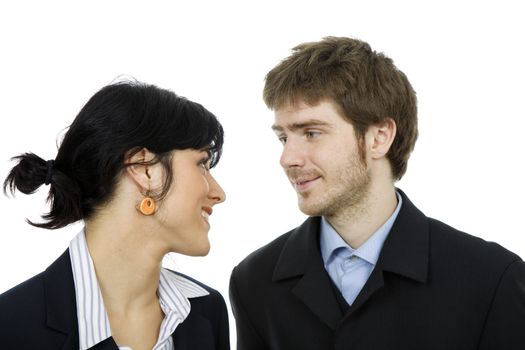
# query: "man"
367,270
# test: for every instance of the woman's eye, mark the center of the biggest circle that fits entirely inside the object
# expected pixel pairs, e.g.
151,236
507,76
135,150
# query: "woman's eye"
205,164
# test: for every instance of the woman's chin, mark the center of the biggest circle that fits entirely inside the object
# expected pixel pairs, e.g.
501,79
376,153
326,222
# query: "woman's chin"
195,250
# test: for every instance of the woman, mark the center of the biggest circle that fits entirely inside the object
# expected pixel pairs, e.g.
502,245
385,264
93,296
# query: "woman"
135,167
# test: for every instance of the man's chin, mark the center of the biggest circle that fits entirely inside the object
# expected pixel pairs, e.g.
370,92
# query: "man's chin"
310,209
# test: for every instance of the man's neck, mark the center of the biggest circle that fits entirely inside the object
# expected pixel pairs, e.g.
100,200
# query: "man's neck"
358,223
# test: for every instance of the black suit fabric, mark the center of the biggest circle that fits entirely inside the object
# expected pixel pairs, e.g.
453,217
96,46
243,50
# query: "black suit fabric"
433,287
41,314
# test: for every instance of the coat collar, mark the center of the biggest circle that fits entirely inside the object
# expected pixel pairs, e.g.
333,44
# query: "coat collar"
405,252
407,248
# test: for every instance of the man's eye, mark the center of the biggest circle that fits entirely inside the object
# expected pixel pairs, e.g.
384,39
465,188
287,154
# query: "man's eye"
282,139
312,134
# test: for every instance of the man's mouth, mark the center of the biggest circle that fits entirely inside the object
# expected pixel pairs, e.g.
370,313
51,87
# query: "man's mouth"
303,184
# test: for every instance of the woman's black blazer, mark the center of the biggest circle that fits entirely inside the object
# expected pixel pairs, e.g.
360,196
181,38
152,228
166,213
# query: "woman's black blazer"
40,313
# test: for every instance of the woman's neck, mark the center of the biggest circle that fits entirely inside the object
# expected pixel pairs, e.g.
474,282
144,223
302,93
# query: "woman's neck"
127,263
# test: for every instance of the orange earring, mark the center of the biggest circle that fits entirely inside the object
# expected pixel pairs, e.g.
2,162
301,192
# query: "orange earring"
147,206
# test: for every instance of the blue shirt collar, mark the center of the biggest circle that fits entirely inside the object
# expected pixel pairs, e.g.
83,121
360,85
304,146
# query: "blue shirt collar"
330,240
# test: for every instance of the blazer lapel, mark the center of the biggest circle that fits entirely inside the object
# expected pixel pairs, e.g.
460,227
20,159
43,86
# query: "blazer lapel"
107,344
195,332
61,309
301,258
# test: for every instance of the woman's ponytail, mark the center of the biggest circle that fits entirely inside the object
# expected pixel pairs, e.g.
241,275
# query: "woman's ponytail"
30,173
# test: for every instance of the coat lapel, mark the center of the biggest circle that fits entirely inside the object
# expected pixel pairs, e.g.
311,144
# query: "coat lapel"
300,258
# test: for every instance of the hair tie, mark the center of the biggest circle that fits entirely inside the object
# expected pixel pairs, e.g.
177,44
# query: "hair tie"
50,164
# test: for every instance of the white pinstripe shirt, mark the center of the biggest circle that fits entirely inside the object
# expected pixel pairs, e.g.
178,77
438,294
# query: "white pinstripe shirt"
93,322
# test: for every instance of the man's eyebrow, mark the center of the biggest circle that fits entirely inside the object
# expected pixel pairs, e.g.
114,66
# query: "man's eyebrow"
297,126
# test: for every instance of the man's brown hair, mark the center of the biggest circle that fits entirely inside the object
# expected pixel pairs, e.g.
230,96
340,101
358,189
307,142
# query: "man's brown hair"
365,85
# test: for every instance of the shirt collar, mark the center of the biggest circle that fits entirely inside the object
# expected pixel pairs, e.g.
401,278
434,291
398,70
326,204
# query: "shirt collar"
330,240
174,291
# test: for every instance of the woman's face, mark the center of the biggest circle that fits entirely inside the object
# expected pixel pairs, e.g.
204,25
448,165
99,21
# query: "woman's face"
185,210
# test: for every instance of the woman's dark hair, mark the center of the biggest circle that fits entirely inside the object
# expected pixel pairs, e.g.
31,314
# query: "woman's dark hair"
119,120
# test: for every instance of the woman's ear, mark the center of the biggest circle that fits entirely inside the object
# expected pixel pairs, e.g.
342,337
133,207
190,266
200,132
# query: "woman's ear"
139,168
380,137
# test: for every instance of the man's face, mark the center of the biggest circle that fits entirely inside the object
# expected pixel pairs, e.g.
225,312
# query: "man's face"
321,158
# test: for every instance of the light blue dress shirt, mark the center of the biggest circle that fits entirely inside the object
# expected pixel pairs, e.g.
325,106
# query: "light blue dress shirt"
350,268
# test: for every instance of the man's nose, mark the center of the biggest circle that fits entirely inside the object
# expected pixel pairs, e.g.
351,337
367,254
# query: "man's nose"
293,154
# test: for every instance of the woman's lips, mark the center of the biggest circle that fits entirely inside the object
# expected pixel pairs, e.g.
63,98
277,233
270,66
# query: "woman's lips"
206,212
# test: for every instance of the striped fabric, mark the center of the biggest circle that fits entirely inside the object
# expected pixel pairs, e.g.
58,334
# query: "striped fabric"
93,322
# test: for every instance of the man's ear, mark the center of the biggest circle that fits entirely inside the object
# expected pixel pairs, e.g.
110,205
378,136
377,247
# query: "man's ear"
380,138
140,169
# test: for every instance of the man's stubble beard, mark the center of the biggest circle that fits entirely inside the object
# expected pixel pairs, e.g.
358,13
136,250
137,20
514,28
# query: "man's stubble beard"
347,194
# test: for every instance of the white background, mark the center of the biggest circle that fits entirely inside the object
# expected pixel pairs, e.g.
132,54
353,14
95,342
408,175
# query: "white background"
465,59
